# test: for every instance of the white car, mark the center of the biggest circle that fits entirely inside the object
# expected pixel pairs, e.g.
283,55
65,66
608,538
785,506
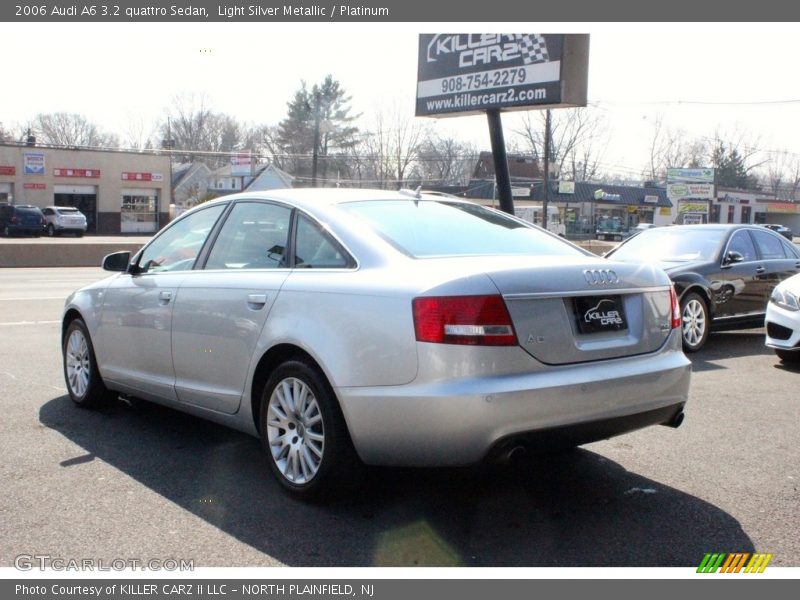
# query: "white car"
64,219
783,320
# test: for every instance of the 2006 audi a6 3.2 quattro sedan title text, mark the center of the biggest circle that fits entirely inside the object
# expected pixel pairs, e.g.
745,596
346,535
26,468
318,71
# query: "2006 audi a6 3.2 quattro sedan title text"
389,328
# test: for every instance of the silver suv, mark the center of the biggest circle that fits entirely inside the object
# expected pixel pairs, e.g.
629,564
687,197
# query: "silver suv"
64,219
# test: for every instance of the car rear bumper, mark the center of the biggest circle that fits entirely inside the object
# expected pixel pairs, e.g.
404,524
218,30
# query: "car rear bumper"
461,421
23,229
785,328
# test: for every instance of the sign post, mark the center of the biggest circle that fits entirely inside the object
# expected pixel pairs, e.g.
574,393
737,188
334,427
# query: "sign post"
466,74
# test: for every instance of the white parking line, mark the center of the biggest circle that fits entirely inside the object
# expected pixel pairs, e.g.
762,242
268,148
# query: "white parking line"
14,323
32,298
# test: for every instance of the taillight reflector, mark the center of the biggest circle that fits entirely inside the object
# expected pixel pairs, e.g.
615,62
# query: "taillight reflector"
676,309
470,320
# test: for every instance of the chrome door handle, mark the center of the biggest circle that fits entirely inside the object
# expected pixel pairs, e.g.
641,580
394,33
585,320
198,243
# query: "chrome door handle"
256,300
761,270
164,297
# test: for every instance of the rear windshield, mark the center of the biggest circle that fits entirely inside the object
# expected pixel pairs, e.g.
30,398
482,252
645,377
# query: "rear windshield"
429,228
28,210
672,244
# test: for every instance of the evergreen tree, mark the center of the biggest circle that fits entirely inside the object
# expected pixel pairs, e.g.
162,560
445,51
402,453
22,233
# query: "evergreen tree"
320,114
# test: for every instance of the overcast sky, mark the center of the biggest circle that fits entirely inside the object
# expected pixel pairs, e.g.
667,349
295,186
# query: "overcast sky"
699,78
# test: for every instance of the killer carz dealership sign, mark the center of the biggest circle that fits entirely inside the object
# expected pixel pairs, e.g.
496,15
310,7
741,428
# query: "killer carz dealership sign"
468,73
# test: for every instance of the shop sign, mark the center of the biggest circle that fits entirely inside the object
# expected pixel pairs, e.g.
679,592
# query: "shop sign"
7,170
133,176
466,73
783,208
33,163
664,211
84,173
241,165
650,199
684,207
681,175
34,186
676,191
566,187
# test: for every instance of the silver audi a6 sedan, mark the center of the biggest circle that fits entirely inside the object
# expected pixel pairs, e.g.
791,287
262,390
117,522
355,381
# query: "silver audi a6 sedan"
389,328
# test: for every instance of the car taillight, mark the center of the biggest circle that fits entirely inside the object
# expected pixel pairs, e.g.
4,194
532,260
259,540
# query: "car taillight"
676,308
470,320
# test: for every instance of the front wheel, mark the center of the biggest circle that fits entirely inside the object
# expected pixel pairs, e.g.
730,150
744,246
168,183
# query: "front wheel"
84,384
694,326
304,433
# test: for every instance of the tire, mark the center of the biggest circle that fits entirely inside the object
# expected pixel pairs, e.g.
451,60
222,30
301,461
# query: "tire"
694,322
308,445
789,357
51,231
6,231
79,234
84,384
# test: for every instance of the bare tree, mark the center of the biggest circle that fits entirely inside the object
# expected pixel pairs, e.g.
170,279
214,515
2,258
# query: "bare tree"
444,160
393,145
577,138
71,129
782,175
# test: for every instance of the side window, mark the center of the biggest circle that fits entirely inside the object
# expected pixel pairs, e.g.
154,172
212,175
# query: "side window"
741,243
769,245
315,249
47,212
254,236
790,250
177,248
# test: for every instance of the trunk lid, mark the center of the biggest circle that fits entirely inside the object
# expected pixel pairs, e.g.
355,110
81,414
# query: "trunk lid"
584,309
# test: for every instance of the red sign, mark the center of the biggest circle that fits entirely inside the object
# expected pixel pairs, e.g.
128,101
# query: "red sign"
8,170
129,176
85,173
34,186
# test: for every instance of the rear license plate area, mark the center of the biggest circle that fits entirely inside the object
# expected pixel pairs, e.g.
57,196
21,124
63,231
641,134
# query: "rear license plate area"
596,314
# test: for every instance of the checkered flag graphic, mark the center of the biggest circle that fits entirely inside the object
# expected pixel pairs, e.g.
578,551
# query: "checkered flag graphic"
533,48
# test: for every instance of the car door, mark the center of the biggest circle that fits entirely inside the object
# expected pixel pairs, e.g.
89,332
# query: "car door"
740,292
221,308
134,338
778,261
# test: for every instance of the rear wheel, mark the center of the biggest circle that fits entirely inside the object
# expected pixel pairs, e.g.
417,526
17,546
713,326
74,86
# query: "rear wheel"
84,384
304,433
51,231
694,326
788,356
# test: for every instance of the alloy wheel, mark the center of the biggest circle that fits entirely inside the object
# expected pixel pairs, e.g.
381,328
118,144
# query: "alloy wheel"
694,322
295,430
78,363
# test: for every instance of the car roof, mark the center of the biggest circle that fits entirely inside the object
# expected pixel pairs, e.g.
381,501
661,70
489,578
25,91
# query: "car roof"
315,198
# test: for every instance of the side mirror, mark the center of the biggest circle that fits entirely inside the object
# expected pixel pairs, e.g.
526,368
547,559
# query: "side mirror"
732,257
117,262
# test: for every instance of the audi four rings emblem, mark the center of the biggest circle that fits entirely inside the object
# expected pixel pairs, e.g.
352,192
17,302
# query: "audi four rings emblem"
600,276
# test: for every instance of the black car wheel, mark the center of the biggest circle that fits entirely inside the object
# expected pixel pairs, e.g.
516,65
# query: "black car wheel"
304,433
84,384
694,317
51,231
789,356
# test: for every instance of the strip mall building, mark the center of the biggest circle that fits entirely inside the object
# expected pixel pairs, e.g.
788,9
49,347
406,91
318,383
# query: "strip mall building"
119,192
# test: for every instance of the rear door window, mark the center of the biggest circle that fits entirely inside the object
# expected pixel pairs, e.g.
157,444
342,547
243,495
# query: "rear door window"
769,245
255,236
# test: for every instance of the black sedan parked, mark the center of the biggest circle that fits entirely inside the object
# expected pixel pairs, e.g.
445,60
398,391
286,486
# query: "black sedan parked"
723,274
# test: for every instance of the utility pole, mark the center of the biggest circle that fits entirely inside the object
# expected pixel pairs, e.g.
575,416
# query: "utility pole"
546,199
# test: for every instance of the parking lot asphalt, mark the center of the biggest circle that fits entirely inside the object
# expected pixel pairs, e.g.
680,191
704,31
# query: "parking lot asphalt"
143,482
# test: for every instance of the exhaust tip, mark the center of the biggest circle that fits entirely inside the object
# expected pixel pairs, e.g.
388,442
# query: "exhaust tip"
676,420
